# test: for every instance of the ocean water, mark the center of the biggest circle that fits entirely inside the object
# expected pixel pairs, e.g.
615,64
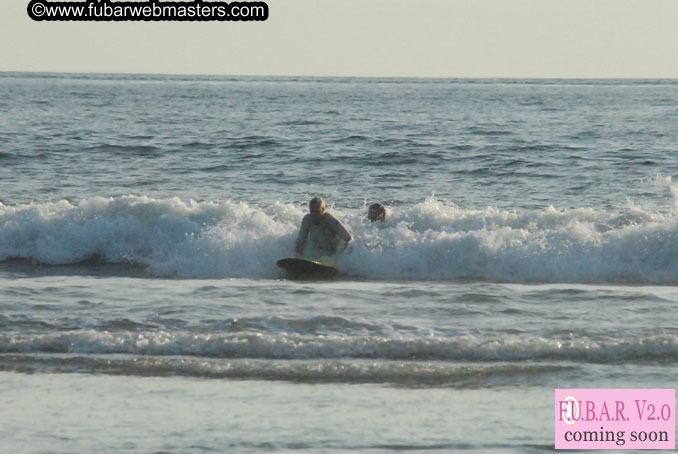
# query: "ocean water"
531,243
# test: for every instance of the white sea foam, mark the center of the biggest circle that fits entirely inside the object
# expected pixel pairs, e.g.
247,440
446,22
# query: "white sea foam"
429,240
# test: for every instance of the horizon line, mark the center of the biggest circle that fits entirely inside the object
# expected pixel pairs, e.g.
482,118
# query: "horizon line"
300,76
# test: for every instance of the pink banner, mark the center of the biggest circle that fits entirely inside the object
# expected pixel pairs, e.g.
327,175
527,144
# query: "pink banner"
615,418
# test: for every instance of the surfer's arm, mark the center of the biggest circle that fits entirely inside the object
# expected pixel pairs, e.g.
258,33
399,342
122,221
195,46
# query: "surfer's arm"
340,230
303,234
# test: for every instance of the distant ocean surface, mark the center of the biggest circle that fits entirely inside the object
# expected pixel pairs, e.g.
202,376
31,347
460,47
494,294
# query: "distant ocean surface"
531,243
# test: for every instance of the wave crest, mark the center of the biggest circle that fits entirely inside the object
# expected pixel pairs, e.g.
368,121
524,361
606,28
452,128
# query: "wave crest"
431,240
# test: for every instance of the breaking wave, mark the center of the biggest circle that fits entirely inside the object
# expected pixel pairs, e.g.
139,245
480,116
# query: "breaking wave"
432,240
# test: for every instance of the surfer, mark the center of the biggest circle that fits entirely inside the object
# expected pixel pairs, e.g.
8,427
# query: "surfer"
324,230
376,212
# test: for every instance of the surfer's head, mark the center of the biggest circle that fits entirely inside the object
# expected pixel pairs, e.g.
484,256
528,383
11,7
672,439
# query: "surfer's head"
376,212
317,208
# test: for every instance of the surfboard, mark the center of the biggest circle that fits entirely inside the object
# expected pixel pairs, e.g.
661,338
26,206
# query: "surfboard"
298,268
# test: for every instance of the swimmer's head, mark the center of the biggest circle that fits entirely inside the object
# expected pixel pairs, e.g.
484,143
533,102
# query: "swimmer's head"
376,212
